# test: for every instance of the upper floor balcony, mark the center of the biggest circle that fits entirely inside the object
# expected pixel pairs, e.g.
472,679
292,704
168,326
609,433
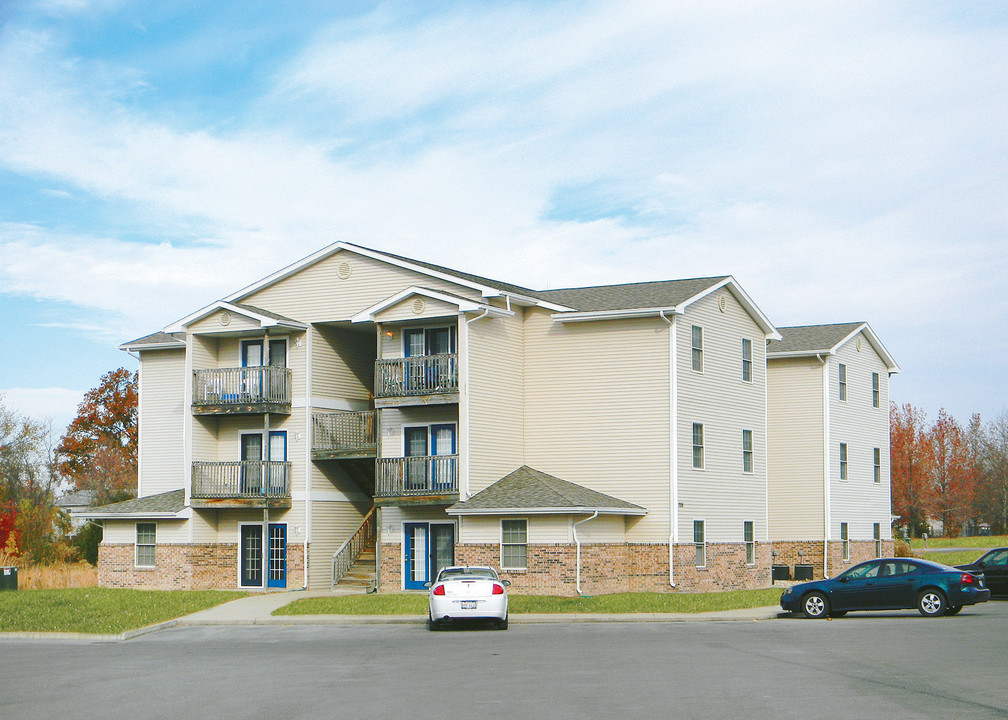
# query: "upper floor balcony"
417,380
242,391
422,480
251,483
344,434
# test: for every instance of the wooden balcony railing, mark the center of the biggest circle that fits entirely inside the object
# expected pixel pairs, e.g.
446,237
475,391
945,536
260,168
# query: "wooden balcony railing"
252,388
417,476
419,375
344,433
253,479
344,558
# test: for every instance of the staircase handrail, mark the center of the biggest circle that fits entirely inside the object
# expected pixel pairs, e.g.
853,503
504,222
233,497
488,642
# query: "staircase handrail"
344,558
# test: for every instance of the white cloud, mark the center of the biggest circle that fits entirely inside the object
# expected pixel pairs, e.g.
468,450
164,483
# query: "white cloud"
55,404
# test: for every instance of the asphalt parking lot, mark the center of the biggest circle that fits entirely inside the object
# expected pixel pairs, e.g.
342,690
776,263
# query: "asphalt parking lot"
869,665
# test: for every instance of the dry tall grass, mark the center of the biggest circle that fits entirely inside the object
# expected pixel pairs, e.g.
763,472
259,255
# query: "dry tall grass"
51,577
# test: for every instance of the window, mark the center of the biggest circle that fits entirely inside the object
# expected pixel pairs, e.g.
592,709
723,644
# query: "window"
878,465
874,390
699,543
746,360
877,534
843,382
698,348
844,541
747,456
514,544
698,460
843,461
146,539
750,545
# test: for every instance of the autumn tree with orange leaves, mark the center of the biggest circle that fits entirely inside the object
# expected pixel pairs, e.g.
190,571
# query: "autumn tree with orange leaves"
99,450
952,475
910,467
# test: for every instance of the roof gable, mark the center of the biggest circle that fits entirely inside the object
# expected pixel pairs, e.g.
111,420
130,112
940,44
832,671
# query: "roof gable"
810,340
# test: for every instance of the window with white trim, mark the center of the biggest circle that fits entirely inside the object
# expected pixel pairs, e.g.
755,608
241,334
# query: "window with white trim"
697,348
874,390
747,451
877,534
514,544
843,382
843,461
699,543
750,544
698,452
877,452
146,540
844,541
746,360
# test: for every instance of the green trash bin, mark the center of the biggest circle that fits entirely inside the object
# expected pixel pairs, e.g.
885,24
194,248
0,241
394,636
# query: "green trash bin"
8,578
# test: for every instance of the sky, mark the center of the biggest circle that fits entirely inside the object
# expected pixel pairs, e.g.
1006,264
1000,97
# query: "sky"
844,161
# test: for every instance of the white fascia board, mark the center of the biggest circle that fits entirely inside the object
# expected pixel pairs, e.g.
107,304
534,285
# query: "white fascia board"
463,304
128,347
769,330
263,320
873,339
623,314
800,353
183,514
531,301
546,511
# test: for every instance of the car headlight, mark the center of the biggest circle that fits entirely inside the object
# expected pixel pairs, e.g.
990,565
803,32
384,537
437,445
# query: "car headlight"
786,592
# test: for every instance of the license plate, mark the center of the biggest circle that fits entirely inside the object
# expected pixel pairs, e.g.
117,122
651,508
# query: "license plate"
468,604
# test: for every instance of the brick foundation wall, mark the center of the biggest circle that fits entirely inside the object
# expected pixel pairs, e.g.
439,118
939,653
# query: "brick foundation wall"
812,554
607,568
201,566
860,550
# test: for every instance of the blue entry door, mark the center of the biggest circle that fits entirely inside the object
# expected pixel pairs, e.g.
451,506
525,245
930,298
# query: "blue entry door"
417,555
277,577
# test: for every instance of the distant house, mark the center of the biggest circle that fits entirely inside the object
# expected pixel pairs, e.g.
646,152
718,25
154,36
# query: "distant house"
596,439
828,431
74,504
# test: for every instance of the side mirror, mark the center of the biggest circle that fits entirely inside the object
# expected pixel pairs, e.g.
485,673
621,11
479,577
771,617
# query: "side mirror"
844,579
505,583
427,584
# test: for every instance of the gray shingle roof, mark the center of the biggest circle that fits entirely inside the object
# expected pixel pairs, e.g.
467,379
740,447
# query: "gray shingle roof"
811,338
531,490
168,502
659,294
167,340
81,498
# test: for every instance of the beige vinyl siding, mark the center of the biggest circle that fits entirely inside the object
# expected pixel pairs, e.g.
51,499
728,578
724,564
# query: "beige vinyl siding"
332,524
392,335
546,529
795,438
403,311
597,410
206,351
237,323
205,525
392,519
393,420
721,494
343,365
162,387
330,482
859,501
118,532
494,395
317,294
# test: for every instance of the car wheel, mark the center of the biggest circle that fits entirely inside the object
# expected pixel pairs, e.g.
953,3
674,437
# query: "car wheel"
931,603
432,624
502,624
838,613
953,609
815,605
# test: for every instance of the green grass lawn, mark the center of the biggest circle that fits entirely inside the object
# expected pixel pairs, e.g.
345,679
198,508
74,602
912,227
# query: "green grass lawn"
100,610
416,603
987,541
958,557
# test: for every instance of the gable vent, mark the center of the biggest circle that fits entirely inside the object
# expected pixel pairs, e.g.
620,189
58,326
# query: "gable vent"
722,303
343,270
418,306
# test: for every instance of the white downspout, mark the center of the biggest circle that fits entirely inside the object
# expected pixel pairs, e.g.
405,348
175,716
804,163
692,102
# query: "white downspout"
673,445
826,465
577,542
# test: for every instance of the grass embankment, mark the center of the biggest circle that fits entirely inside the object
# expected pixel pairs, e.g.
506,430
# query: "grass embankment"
100,610
978,546
416,603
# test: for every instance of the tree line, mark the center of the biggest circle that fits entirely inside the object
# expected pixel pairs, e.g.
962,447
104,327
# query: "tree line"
948,472
97,453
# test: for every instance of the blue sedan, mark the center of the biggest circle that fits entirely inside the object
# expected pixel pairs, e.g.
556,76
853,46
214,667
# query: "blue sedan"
889,584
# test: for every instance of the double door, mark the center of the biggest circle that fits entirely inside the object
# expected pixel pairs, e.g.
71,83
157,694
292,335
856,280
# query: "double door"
264,554
428,547
258,478
434,448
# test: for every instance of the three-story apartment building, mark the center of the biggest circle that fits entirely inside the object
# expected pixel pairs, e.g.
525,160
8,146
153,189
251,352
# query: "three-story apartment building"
594,439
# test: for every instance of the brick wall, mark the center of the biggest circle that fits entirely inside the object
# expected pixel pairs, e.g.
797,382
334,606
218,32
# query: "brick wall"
812,554
860,550
607,568
185,567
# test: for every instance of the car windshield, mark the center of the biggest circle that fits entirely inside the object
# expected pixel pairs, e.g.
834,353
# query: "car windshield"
867,570
467,573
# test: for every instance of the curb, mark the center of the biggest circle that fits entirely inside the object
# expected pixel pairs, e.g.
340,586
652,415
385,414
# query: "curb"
89,637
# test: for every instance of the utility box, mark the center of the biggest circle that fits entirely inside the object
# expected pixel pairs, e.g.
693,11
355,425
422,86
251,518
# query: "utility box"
8,578
781,572
802,572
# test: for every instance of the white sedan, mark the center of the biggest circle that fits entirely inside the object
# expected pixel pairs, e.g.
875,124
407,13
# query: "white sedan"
468,593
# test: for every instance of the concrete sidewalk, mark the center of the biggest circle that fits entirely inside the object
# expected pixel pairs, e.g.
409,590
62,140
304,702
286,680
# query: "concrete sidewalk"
257,610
